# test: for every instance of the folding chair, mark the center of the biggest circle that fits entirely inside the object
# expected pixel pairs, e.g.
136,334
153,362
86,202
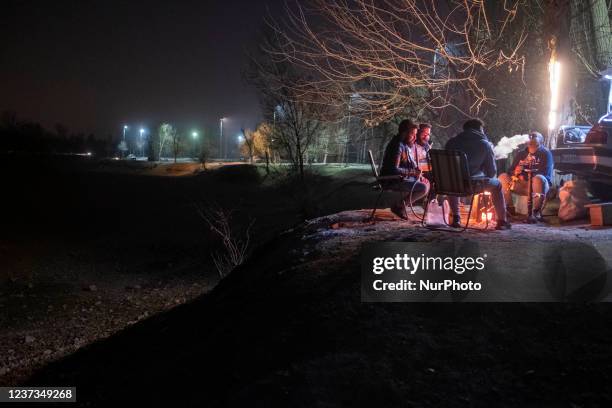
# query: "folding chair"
450,175
380,184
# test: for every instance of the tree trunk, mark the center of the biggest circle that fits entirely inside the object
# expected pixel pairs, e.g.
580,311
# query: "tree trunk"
602,41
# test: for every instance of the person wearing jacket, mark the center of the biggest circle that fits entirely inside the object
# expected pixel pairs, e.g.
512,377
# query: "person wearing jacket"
540,159
423,143
481,162
399,160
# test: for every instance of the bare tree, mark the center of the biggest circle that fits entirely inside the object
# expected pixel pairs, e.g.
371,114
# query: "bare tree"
248,143
235,244
578,33
591,33
165,134
255,143
397,53
177,143
296,120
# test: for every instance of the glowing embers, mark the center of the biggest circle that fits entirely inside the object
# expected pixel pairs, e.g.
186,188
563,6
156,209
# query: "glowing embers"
483,210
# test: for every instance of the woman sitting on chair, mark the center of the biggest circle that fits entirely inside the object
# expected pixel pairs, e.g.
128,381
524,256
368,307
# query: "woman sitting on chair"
400,160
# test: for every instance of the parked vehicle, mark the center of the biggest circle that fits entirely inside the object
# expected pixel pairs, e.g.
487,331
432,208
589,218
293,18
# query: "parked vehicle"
591,158
570,136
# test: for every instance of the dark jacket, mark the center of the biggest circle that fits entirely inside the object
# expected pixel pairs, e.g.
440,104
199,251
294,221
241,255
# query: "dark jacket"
478,150
397,160
543,164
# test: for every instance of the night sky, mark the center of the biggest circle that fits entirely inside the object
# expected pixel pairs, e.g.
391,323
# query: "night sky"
95,65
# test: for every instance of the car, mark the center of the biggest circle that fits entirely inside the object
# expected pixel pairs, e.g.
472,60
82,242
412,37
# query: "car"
590,159
570,136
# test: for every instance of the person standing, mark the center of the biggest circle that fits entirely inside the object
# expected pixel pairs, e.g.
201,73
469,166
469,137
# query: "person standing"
399,160
540,160
481,161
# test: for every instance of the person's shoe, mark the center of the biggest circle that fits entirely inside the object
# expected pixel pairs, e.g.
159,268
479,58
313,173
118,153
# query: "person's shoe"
456,223
531,219
400,212
538,216
503,225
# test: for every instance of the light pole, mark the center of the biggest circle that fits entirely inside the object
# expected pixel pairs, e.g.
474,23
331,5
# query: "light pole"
124,144
141,143
194,135
221,137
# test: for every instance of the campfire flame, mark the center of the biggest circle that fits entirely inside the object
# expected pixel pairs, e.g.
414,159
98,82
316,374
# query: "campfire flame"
486,214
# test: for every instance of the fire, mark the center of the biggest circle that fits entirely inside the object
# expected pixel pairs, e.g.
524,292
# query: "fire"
487,216
484,210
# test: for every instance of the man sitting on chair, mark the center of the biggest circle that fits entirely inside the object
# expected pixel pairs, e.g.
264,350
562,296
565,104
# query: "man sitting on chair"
481,161
399,161
541,161
423,144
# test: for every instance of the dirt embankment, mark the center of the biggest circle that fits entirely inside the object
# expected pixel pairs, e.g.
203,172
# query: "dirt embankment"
87,249
289,329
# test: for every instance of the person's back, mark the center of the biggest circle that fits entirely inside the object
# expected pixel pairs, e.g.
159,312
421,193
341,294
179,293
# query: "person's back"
474,143
481,161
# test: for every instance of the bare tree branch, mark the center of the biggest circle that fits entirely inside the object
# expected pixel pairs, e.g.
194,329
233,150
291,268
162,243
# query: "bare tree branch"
396,53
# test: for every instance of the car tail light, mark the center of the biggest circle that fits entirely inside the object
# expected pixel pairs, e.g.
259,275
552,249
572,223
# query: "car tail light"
597,135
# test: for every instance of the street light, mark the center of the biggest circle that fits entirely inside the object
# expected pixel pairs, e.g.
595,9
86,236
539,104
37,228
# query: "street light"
123,146
221,137
194,135
141,143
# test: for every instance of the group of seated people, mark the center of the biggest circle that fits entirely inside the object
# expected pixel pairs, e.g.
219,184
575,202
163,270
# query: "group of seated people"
407,150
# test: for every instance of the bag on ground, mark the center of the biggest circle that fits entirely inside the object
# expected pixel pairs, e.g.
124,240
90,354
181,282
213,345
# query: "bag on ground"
573,198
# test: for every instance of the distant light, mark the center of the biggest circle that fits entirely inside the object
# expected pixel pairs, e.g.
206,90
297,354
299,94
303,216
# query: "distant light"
608,77
125,127
142,130
240,138
194,134
89,153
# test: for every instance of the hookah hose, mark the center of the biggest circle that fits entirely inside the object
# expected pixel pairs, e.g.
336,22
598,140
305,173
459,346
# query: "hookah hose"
410,201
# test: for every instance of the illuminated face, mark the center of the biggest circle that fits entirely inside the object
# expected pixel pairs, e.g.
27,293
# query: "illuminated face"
408,136
412,134
425,135
533,146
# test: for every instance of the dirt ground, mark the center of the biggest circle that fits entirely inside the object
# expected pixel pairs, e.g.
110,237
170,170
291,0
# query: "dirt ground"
89,248
289,329
117,267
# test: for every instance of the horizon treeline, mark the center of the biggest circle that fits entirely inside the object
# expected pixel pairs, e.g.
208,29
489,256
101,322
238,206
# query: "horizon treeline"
18,135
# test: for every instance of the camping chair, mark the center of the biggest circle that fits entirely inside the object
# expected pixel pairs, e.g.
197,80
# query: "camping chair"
451,176
380,184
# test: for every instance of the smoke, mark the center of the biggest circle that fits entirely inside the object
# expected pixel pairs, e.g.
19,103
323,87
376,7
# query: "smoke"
507,144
